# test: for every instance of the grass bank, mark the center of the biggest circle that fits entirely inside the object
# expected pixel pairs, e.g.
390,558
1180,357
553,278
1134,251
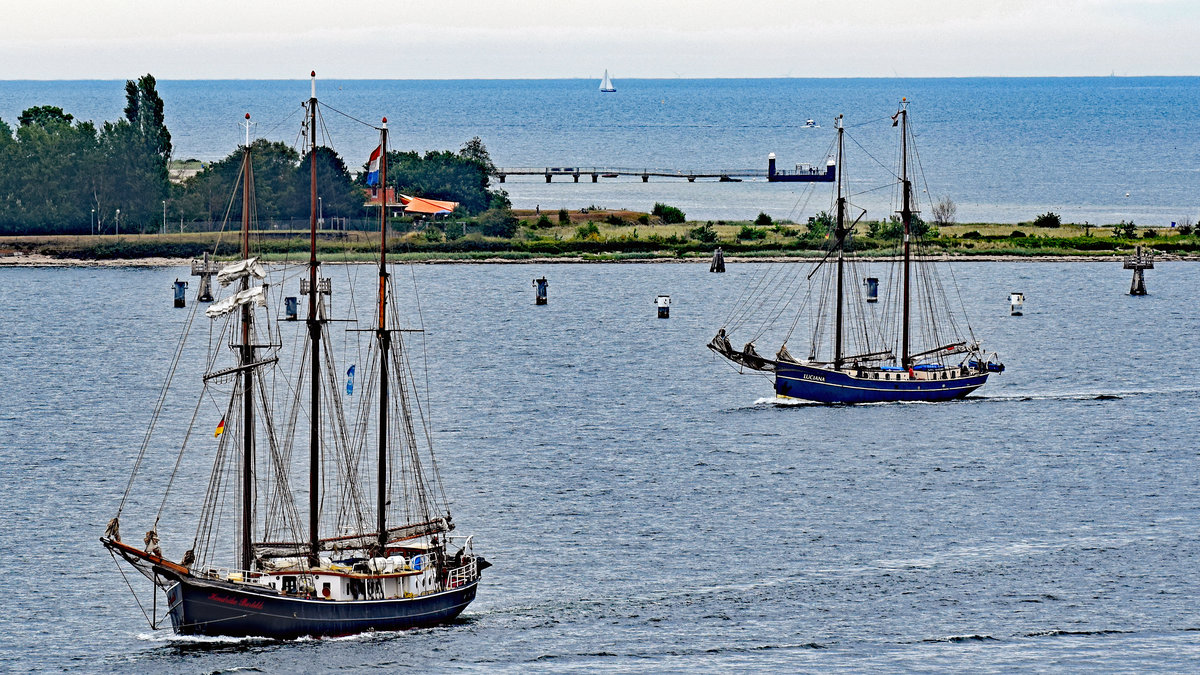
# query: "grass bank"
612,236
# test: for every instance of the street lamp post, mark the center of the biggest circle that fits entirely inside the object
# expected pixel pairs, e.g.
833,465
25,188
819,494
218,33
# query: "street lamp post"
118,222
93,222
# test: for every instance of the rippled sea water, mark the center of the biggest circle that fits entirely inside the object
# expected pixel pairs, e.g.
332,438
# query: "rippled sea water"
1100,149
647,508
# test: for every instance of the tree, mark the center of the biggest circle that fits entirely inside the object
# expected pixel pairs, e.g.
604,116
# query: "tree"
475,151
44,116
136,151
209,195
763,220
339,195
945,212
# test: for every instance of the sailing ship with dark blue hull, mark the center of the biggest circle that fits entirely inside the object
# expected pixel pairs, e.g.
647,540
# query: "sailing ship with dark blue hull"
377,551
852,358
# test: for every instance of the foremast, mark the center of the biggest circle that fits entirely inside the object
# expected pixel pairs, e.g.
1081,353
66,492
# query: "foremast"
906,214
385,343
839,235
246,355
315,325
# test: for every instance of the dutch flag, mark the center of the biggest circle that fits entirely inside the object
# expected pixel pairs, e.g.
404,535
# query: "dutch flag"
373,167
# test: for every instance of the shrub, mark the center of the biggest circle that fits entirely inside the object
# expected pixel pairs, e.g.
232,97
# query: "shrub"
543,222
1047,219
1017,234
1124,230
763,220
1149,234
820,225
705,233
668,214
748,232
614,219
644,219
973,234
588,231
499,222
432,234
564,218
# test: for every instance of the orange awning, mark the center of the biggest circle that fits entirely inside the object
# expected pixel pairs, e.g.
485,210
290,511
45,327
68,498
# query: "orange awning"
434,207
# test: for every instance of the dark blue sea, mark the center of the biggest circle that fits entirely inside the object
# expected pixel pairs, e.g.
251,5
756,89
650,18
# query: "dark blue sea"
1099,150
647,508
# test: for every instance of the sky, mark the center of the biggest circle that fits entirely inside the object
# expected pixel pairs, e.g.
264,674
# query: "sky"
459,39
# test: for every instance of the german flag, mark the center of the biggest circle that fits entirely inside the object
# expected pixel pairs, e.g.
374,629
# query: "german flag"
220,428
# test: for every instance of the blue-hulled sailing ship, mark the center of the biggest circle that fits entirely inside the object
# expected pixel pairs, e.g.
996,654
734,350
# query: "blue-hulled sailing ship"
377,551
909,348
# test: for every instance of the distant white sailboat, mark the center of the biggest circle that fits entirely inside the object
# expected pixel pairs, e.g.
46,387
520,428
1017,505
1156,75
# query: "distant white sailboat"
606,84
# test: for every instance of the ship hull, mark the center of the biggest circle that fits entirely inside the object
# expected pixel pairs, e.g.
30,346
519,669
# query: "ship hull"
199,607
810,383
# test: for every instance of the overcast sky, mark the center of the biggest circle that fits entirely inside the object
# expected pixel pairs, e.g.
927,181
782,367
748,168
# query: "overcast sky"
221,39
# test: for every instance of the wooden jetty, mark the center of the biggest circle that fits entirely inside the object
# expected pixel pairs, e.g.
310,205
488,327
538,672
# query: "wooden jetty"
804,173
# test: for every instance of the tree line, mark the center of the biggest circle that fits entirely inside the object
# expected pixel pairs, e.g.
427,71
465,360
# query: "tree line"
59,175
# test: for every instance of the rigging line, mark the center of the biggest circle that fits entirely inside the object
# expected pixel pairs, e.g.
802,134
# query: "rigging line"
228,209
868,154
159,405
133,592
863,192
322,104
178,460
281,123
863,124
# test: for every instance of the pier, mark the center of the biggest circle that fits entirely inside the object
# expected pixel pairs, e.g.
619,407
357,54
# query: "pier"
804,173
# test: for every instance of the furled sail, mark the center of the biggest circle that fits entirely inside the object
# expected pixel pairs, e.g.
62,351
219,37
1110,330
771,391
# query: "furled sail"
240,270
279,549
257,295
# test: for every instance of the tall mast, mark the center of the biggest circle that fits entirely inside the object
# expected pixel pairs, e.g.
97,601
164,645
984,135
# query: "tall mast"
839,234
247,357
384,347
314,332
906,218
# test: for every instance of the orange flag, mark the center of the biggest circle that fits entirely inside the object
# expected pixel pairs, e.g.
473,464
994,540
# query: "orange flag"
220,428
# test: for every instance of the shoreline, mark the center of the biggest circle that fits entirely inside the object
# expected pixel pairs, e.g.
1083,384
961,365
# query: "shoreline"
42,260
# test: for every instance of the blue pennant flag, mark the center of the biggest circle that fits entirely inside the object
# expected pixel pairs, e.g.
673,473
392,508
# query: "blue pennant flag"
350,381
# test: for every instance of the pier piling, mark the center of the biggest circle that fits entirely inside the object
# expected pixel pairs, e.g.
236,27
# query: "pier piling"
1138,262
718,261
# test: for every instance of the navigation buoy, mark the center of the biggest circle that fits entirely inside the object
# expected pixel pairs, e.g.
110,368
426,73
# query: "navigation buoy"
543,288
1015,302
180,295
872,285
664,306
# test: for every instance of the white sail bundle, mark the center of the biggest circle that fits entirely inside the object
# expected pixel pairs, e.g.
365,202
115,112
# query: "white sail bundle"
240,270
257,295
